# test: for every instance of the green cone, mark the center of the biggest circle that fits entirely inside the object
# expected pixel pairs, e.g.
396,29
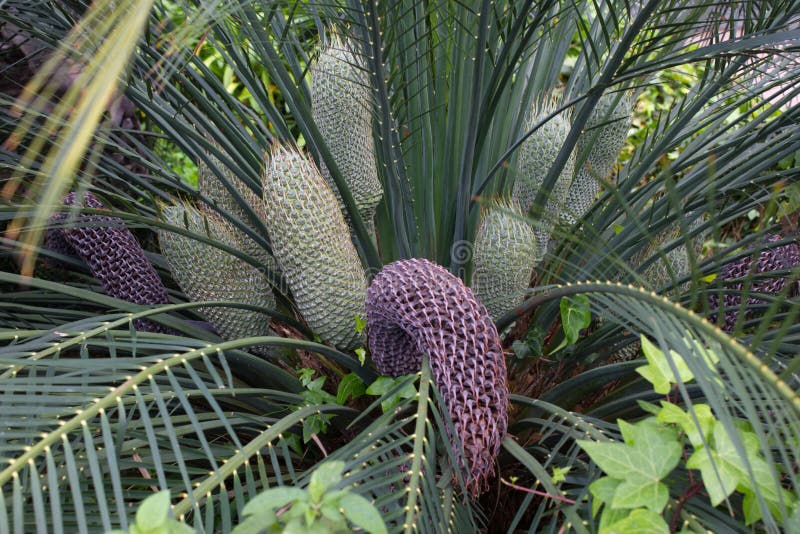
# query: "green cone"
211,186
207,273
604,136
311,242
536,156
341,102
504,256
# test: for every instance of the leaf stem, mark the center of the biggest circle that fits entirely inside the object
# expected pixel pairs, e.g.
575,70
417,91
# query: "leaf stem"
536,492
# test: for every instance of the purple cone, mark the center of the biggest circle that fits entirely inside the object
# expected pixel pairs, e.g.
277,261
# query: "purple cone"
416,307
780,258
113,255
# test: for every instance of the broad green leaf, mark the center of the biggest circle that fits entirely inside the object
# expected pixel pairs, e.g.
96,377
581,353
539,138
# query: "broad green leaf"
314,425
672,413
350,387
325,477
611,516
575,316
602,490
658,371
613,458
306,375
640,521
652,457
153,513
273,498
178,527
295,526
384,384
362,513
316,384
381,385
653,495
752,511
256,523
720,466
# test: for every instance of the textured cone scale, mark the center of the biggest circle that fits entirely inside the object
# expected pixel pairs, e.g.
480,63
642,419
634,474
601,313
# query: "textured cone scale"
536,156
311,242
416,308
207,273
781,258
504,256
211,186
605,131
659,273
112,253
341,101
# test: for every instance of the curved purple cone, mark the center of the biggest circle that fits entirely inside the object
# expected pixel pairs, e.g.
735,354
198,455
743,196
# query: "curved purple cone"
781,258
416,307
113,255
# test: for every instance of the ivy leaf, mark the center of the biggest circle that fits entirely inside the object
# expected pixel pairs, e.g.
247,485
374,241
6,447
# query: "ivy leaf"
361,323
720,466
672,413
305,375
381,385
324,477
610,517
362,355
658,370
654,454
316,384
153,513
314,425
653,495
613,458
560,474
362,513
602,490
641,521
575,316
650,452
384,384
752,511
351,386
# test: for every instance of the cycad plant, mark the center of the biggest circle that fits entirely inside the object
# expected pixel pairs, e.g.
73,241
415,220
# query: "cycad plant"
433,119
